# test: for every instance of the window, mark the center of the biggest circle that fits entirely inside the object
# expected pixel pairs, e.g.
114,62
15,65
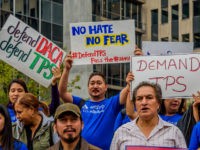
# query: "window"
185,9
165,39
164,9
197,40
34,23
57,14
154,25
185,37
46,10
46,29
96,9
57,33
58,1
175,23
175,13
196,9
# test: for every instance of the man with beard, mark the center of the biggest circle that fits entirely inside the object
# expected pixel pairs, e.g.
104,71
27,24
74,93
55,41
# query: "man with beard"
68,125
99,113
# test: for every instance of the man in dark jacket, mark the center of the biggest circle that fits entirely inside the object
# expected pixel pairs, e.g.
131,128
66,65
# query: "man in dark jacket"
68,125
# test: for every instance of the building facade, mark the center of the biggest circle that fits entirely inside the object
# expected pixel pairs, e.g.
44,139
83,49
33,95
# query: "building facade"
44,16
173,20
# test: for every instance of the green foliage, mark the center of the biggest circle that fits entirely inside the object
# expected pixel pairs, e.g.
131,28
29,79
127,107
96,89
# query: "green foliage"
8,73
71,85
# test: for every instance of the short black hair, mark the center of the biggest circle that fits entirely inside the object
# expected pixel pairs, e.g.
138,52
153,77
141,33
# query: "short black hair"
97,74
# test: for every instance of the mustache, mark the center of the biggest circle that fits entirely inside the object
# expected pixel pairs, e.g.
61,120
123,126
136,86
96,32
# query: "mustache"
69,130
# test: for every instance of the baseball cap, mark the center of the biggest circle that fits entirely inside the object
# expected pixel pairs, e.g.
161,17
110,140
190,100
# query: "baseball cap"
67,107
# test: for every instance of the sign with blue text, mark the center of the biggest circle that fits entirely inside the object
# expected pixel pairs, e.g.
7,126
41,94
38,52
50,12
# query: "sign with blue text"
28,51
102,42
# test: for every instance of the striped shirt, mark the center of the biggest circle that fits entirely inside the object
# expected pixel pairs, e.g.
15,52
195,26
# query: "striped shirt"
163,135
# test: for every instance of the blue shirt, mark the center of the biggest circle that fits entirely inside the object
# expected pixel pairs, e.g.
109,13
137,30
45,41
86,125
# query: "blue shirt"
195,137
12,115
18,145
121,119
171,119
99,118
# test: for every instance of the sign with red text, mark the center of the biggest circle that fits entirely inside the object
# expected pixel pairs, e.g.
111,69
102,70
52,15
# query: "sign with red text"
177,74
28,51
166,48
152,148
102,42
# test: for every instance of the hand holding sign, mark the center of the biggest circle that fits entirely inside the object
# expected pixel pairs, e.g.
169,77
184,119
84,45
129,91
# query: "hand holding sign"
28,51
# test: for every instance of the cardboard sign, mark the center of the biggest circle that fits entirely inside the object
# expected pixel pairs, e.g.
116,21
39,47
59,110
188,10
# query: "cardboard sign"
28,51
177,74
166,48
102,42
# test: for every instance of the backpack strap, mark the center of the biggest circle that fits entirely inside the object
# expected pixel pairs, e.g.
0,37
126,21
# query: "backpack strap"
50,134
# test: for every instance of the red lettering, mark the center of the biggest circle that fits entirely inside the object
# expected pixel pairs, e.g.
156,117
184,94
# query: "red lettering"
156,78
95,61
142,65
170,80
59,58
54,53
172,63
184,86
42,46
193,69
151,65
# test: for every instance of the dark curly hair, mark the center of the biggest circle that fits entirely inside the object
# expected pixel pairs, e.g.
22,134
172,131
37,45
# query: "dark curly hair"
155,86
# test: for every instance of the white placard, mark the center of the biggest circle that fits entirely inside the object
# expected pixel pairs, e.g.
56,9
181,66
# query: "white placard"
102,42
28,51
178,75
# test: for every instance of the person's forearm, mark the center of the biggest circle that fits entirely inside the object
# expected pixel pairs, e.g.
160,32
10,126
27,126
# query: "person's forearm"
124,94
62,88
55,99
196,113
130,111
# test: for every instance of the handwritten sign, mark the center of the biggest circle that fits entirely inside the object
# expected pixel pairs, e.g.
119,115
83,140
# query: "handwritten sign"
166,48
177,74
28,51
102,42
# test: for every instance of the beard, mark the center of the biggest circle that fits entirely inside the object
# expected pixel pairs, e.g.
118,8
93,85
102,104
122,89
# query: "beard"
71,139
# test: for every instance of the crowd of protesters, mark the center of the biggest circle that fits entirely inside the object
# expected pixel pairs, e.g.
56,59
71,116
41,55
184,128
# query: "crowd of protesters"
139,120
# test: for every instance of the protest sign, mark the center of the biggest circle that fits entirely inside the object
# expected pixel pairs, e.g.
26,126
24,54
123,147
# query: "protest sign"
178,75
28,51
166,48
102,42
